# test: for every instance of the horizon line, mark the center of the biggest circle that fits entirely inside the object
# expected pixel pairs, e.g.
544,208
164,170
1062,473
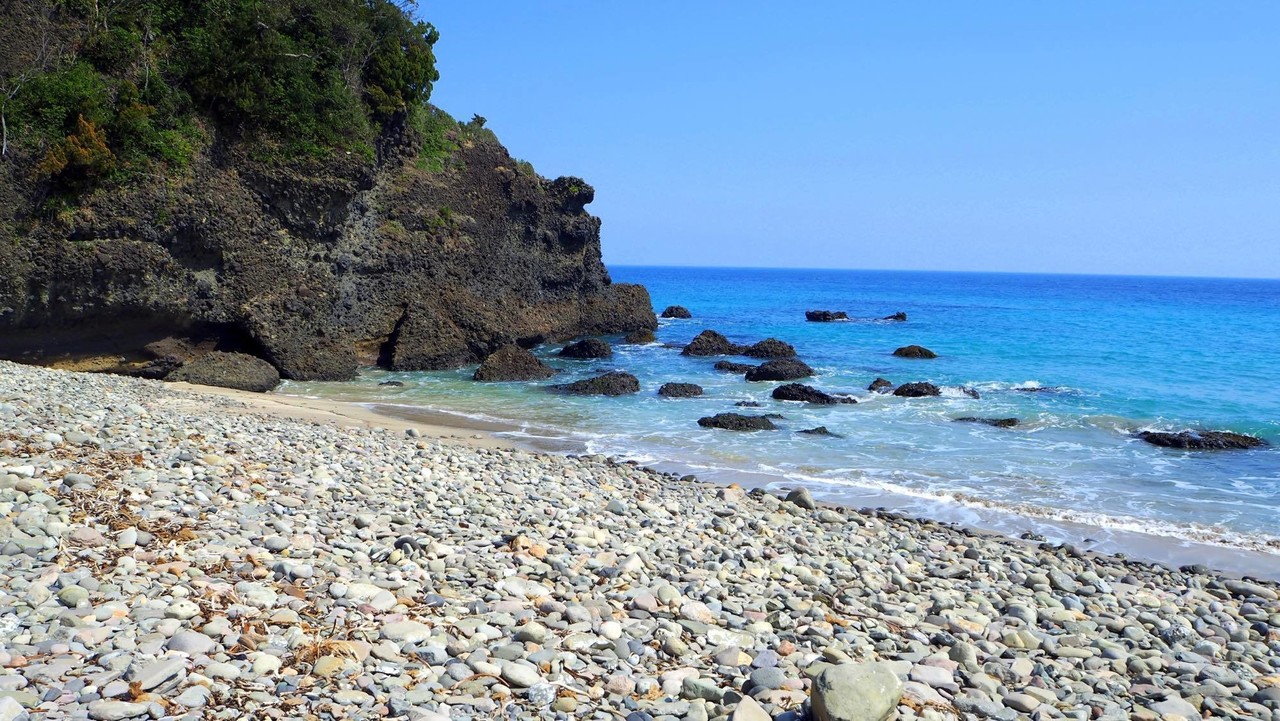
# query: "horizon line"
954,272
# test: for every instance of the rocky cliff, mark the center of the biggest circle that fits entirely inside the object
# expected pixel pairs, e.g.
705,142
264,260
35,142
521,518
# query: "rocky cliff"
426,246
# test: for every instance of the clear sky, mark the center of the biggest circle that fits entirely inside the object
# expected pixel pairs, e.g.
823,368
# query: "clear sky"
1074,137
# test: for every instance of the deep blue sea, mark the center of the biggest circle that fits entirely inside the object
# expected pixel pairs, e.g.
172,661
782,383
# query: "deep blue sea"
1111,355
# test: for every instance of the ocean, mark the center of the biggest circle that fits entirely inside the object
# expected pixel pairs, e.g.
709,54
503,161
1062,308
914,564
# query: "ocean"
1083,362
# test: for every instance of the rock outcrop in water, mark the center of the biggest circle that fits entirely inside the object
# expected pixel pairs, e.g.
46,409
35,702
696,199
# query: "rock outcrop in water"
676,311
1202,440
737,422
512,363
614,383
770,348
881,385
917,390
587,349
914,351
997,422
680,390
731,367
709,342
644,336
783,369
807,394
898,317
825,316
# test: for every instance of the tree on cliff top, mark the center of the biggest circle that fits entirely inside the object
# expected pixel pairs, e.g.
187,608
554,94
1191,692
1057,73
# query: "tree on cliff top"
146,77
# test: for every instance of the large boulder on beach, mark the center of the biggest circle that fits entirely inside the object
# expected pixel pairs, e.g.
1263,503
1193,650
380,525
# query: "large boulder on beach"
825,316
709,342
614,383
881,385
782,369
512,363
1202,440
855,692
731,367
917,390
914,351
586,349
229,370
807,394
644,336
676,311
770,348
680,390
997,422
737,422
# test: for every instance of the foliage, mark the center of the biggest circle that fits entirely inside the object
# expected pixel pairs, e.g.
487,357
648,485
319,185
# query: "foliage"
122,86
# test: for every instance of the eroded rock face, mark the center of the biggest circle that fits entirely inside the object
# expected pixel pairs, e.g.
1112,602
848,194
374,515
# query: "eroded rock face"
512,363
783,369
643,336
1202,440
615,383
229,370
319,266
737,422
676,311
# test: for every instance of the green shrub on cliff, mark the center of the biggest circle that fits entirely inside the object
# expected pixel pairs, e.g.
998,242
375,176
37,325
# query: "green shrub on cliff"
296,77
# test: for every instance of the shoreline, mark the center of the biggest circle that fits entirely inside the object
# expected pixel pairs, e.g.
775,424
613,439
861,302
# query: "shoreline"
334,561
1167,550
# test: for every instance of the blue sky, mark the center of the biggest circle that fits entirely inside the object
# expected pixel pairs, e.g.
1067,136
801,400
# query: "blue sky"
1081,137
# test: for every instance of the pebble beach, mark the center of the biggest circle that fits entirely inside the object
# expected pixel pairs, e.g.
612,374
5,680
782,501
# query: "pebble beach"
170,554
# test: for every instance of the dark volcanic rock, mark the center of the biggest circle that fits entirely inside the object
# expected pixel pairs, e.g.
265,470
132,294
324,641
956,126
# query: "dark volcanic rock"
880,385
709,342
731,367
614,383
680,390
807,394
820,431
392,384
770,348
317,265
1202,440
644,336
916,390
747,404
825,316
737,422
997,422
512,363
157,369
971,392
783,369
676,311
899,317
914,351
229,370
587,349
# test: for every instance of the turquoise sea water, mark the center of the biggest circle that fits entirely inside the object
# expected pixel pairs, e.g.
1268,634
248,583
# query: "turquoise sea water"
1117,354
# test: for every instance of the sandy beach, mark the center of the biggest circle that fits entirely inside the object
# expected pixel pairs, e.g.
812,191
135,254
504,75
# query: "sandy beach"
171,552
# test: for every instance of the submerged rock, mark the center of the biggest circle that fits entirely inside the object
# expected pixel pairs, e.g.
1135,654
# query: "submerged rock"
643,336
997,422
825,316
783,369
914,351
748,404
737,422
229,370
971,392
1202,440
587,349
731,367
807,394
880,385
392,384
614,383
709,342
512,363
916,390
820,431
680,390
771,348
899,317
676,311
